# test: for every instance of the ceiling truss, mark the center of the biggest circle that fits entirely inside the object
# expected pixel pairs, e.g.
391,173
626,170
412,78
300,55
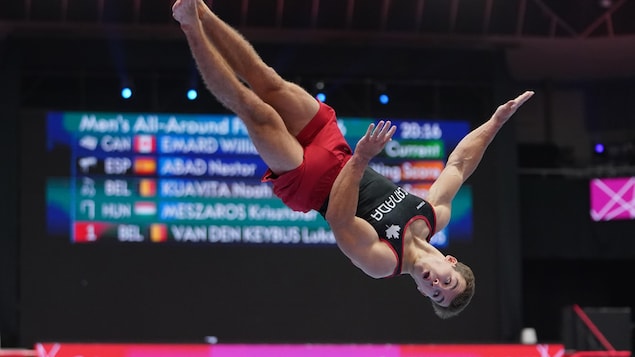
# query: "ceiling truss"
406,21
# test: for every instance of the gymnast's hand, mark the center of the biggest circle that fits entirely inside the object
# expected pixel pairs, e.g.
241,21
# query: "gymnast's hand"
376,137
184,11
505,111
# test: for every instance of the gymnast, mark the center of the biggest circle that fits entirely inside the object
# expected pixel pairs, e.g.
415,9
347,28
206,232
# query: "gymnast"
384,230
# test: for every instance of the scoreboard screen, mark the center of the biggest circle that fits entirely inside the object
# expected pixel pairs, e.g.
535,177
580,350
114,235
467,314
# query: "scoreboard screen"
195,179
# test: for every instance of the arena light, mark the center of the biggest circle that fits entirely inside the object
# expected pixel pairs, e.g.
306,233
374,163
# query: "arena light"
126,90
384,98
382,93
192,94
599,148
320,94
193,83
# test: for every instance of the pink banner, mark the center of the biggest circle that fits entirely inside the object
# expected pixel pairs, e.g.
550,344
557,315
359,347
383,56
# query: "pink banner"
296,350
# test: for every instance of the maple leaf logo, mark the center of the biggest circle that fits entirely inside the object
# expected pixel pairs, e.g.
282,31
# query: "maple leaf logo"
392,232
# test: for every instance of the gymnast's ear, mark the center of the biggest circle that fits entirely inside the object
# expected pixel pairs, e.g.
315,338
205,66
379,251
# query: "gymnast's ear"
451,259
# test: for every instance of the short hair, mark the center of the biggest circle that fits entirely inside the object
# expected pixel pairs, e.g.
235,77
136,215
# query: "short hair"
460,301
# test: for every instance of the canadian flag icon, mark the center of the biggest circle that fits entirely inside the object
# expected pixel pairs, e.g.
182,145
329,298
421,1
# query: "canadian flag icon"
145,144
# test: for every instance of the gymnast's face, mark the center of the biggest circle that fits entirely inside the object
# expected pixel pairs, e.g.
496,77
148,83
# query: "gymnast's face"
437,279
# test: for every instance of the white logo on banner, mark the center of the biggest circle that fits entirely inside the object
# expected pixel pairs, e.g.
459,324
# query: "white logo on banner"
42,352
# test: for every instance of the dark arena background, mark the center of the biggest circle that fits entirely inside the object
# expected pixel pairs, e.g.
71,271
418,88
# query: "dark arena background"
93,264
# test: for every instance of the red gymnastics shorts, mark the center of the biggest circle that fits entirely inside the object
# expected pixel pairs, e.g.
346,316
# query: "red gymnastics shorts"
307,187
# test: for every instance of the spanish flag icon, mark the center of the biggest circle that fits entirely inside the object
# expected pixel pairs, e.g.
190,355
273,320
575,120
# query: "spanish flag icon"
145,166
147,187
158,232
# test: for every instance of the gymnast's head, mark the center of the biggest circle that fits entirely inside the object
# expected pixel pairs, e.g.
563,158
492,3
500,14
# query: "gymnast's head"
448,283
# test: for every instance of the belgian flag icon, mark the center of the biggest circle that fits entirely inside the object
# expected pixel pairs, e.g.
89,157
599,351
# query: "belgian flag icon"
147,187
158,233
